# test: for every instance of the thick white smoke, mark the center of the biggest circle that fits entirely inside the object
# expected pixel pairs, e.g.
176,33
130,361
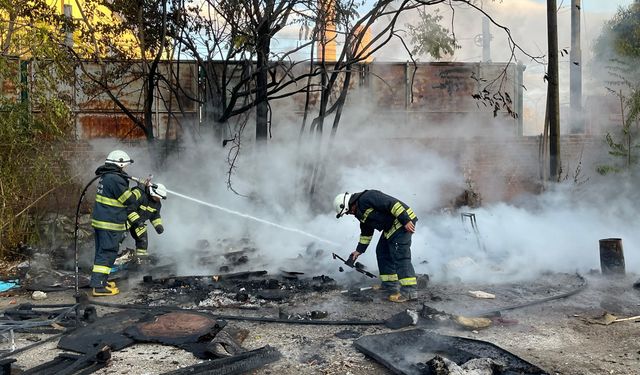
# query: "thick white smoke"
557,231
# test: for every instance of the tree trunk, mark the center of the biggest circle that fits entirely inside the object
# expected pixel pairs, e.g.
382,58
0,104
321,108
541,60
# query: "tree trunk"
262,104
149,93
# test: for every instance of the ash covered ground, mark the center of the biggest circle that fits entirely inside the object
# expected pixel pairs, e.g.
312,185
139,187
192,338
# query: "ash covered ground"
568,335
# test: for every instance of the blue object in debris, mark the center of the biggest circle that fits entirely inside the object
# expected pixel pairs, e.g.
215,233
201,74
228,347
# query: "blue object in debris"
9,284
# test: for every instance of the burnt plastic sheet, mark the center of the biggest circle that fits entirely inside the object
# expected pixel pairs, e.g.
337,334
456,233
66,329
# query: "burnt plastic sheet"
238,364
406,352
107,330
191,331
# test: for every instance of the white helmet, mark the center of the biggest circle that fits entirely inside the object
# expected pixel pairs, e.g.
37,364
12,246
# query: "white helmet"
341,204
158,191
119,158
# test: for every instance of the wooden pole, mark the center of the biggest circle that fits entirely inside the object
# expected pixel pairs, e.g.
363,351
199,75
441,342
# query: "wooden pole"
553,92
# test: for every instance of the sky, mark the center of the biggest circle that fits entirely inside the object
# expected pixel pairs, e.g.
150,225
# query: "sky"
594,5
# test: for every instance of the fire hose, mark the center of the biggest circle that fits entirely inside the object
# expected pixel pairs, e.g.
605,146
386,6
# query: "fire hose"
497,312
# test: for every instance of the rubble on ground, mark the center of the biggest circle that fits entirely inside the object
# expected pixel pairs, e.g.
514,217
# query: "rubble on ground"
254,318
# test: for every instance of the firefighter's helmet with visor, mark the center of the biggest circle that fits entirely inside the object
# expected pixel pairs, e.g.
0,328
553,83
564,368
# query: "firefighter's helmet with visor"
158,191
119,158
341,204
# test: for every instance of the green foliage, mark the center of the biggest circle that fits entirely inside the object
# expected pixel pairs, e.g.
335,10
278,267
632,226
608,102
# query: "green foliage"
430,38
618,50
620,35
30,163
33,124
144,18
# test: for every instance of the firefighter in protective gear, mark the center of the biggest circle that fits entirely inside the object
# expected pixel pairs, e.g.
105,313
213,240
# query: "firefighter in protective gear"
109,219
378,211
147,208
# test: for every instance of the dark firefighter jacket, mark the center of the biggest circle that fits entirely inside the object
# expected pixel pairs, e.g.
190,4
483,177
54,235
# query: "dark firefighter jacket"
112,199
377,210
144,209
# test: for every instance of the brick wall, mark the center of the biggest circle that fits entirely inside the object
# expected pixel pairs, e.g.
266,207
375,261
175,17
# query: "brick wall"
500,170
503,169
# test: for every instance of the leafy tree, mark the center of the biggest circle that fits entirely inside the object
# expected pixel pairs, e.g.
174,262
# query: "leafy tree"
429,37
33,123
618,49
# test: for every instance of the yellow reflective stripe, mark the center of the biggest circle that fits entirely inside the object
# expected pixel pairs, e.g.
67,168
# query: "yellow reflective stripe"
397,209
157,222
408,281
396,225
101,269
133,216
411,214
393,277
365,240
147,208
141,252
141,230
366,214
108,201
123,198
107,225
137,193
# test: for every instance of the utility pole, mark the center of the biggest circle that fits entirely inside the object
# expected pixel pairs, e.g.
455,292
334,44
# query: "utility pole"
553,95
575,71
68,11
486,40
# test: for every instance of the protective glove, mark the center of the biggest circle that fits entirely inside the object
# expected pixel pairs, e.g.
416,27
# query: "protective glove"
159,229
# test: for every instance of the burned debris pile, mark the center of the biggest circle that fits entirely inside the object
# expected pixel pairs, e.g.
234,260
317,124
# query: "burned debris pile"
96,338
244,289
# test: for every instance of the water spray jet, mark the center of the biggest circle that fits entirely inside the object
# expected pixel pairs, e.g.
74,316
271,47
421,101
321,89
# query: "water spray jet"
246,216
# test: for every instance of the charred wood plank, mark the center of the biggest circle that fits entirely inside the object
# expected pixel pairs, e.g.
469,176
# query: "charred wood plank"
238,364
5,366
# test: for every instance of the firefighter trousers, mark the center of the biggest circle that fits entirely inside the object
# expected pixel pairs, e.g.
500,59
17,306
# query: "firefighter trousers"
107,245
139,234
394,262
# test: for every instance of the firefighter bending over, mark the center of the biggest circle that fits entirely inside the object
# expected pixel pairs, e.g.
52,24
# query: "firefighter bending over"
147,208
109,219
396,221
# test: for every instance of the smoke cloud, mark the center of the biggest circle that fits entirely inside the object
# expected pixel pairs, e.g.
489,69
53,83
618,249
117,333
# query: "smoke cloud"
555,231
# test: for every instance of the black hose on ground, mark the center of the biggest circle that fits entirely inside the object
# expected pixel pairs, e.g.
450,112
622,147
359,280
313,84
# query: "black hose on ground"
496,312
246,318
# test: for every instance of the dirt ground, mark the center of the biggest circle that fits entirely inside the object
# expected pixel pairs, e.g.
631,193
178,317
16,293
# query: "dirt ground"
559,335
